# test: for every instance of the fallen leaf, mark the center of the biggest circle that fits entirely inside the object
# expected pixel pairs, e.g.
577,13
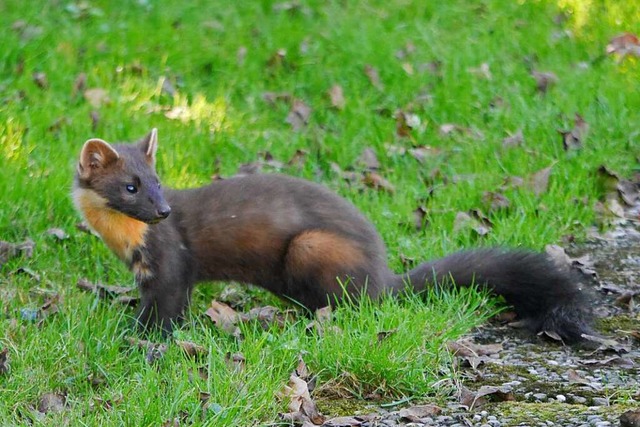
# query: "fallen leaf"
298,159
103,291
299,115
373,76
574,138
415,414
464,221
192,349
4,361
96,97
423,152
407,50
40,79
496,201
12,250
419,217
273,97
514,139
476,399
241,54
277,60
377,182
482,71
58,233
301,406
224,317
406,122
52,402
154,351
343,422
79,85
544,80
235,361
369,159
539,181
336,95
575,378
383,335
95,119
624,45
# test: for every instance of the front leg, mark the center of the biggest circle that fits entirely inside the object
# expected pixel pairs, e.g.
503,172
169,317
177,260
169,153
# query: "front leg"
162,305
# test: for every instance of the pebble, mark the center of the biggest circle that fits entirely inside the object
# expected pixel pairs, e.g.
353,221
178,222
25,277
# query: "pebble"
600,401
561,398
540,396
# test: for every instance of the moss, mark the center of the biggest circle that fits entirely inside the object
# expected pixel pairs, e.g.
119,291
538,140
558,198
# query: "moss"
618,323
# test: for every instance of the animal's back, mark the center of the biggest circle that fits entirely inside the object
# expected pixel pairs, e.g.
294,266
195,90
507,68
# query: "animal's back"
240,228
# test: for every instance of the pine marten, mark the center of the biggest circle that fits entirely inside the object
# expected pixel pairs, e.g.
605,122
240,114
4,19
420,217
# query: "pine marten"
295,238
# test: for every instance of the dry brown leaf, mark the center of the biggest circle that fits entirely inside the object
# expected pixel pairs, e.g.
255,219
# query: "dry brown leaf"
103,291
624,45
273,97
496,201
192,349
58,233
544,80
95,119
4,361
369,159
52,402
374,77
40,79
406,122
575,378
96,97
12,250
79,85
298,159
416,413
224,317
343,422
299,115
235,361
277,60
419,217
465,221
482,71
423,152
514,139
301,406
377,182
383,335
476,399
574,138
539,181
154,351
336,95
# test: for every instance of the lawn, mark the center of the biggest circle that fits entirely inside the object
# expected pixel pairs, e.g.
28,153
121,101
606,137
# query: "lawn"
441,121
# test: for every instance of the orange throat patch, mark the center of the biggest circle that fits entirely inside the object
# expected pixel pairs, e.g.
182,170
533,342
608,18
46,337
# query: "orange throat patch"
121,233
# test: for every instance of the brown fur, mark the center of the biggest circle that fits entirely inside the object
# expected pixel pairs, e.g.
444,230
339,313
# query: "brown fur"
290,236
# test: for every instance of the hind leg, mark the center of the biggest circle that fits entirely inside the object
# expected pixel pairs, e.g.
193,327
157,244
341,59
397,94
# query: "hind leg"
320,266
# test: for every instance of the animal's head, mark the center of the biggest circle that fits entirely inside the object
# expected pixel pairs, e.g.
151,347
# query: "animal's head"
123,178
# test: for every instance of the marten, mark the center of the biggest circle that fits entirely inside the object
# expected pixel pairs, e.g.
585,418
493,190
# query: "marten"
290,236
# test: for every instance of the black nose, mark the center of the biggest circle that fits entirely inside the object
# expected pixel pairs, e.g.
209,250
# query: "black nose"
164,212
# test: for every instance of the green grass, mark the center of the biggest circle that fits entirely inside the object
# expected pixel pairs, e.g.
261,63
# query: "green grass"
129,48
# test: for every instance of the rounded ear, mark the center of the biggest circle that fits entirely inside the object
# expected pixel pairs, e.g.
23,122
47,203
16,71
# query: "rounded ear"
96,154
149,146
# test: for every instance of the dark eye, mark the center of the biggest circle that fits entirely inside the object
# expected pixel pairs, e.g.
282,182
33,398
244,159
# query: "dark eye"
132,188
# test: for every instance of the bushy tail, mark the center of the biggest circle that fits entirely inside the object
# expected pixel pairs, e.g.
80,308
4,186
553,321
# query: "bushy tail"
546,297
